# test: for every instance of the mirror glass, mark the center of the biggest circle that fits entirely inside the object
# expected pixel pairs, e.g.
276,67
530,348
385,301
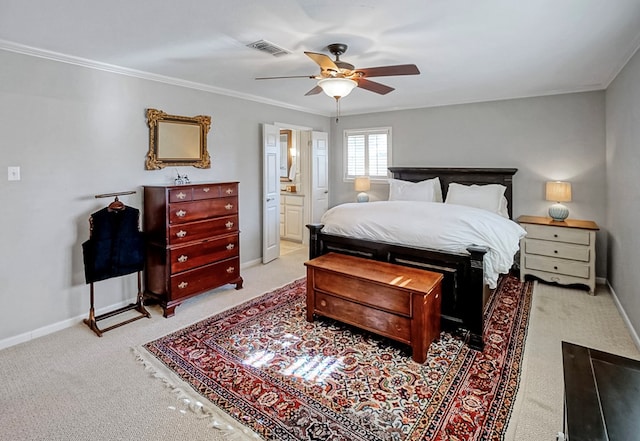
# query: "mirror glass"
177,140
285,154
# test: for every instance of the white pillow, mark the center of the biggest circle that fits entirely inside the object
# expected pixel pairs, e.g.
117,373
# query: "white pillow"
504,208
428,190
488,197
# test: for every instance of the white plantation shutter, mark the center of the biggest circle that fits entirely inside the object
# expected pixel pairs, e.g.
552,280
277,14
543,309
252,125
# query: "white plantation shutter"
367,153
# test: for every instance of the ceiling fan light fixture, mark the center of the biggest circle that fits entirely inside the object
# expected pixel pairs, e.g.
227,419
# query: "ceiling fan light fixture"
337,87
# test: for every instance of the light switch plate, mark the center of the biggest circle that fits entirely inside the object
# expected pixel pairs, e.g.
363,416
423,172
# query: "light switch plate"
13,173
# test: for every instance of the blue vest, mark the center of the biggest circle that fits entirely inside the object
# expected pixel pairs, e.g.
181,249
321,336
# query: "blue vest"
116,246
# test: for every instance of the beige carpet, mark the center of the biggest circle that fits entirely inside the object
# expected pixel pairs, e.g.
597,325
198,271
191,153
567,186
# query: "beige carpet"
72,385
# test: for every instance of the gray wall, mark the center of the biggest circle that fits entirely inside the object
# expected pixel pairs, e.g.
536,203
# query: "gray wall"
546,138
77,132
623,187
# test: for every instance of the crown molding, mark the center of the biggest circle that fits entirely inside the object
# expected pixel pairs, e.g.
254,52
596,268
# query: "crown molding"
119,70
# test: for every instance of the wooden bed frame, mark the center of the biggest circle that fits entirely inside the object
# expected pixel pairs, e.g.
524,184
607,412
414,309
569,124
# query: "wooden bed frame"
463,285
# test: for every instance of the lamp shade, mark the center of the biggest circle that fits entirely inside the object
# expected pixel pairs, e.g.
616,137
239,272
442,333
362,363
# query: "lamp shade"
558,191
362,184
337,87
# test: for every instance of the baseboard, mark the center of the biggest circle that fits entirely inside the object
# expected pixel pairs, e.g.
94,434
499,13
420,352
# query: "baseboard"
59,326
625,317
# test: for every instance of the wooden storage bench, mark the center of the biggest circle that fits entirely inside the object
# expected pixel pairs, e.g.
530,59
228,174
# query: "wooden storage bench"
394,301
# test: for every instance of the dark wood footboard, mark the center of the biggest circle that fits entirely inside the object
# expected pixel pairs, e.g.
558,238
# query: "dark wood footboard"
462,286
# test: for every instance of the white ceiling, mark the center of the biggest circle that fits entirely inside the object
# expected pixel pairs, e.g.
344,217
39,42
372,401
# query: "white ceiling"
466,50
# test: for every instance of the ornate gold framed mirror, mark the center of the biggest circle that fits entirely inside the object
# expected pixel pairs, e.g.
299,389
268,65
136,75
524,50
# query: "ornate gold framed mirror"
177,140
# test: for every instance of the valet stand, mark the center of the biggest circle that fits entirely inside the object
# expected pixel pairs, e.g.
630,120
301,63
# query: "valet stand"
93,319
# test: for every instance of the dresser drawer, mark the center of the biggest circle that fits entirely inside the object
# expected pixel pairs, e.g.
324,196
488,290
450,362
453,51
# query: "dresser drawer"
206,192
190,256
181,194
558,234
205,278
557,266
380,322
557,249
198,210
198,230
361,291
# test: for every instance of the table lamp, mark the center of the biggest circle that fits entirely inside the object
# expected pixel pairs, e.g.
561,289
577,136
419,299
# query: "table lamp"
362,185
557,192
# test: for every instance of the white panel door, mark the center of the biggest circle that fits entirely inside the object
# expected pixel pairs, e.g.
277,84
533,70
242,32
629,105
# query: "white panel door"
319,175
270,193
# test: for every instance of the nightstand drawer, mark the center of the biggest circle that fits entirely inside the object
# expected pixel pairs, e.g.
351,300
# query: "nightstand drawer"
557,266
557,249
557,234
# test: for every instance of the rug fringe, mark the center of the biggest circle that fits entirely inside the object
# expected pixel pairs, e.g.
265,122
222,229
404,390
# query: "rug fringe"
219,420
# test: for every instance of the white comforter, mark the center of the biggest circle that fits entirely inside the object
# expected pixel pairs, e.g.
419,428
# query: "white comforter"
433,225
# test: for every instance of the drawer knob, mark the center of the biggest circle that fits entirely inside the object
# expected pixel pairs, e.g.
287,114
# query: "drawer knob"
555,251
206,189
228,206
181,213
555,235
555,268
183,285
181,233
231,246
229,191
183,258
229,224
181,195
230,270
323,302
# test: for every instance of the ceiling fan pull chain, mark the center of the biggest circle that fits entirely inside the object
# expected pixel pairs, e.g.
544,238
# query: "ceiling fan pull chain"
337,109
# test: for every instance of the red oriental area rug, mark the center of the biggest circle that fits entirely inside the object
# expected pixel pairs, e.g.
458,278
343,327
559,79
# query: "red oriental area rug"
273,372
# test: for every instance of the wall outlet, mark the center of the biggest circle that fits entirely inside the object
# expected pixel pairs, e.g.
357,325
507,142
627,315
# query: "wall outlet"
13,173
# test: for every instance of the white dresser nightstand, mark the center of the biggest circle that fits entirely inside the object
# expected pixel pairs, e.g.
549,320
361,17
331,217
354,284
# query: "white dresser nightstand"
561,252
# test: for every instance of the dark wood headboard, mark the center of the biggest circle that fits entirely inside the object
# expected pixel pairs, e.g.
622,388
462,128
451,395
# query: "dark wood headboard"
461,175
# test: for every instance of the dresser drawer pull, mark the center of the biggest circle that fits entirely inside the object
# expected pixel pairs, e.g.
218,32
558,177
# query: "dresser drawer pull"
229,191
323,302
181,213
181,233
181,195
228,206
206,189
183,258
230,270
555,268
555,279
555,235
231,246
183,285
229,224
555,251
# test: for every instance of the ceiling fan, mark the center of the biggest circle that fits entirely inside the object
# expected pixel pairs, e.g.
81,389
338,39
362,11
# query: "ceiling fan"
338,78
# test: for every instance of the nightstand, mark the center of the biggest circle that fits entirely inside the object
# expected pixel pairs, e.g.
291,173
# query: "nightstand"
561,252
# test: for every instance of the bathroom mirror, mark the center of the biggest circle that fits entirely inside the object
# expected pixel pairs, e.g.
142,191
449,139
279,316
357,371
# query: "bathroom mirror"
177,140
285,155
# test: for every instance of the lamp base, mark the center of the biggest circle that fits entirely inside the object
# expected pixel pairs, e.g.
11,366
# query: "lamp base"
362,197
558,212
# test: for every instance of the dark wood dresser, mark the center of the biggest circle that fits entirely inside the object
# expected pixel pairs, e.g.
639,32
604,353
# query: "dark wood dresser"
192,240
601,393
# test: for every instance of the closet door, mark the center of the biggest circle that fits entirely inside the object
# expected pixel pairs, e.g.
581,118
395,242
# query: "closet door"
270,193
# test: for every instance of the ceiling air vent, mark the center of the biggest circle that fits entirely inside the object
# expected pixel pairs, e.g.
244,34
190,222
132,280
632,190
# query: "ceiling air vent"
268,47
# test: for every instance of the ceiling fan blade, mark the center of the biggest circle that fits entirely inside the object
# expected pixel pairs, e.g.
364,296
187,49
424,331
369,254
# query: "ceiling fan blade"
279,78
374,87
316,90
323,61
389,71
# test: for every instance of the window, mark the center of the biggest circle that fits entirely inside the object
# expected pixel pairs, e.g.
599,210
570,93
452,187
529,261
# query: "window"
367,153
